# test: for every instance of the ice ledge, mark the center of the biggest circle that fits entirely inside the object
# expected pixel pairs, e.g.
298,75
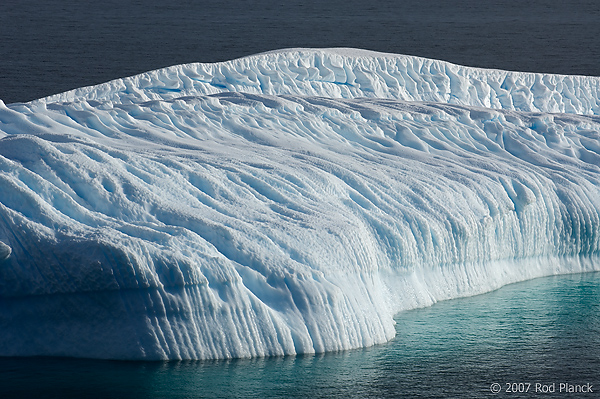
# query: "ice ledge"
5,251
352,73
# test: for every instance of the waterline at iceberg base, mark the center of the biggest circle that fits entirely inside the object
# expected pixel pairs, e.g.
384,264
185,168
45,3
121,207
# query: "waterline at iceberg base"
287,202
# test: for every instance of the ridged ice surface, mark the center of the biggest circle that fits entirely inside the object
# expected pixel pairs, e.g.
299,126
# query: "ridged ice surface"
288,202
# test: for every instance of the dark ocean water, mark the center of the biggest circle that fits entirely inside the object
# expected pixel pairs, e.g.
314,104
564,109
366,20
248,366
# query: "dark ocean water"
48,47
524,337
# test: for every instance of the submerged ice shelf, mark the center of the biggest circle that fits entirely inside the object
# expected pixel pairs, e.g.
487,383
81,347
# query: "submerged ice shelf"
288,202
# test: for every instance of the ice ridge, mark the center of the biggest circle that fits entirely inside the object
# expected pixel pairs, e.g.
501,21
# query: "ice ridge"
288,202
352,73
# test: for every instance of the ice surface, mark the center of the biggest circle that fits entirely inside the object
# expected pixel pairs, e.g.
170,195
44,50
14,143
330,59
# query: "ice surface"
288,202
5,251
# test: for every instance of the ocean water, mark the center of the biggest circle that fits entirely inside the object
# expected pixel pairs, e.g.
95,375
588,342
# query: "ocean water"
49,47
537,338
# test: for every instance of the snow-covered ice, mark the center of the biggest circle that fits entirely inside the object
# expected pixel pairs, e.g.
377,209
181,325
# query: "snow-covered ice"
287,202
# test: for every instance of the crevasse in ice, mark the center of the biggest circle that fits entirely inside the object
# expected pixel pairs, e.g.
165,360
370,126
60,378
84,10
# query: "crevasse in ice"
287,202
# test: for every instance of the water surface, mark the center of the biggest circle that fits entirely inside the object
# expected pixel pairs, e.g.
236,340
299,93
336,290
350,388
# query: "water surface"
48,47
545,331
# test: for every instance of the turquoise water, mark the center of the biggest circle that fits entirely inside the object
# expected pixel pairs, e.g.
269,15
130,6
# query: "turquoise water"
545,331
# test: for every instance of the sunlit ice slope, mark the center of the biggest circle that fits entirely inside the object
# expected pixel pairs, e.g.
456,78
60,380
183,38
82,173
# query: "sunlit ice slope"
288,202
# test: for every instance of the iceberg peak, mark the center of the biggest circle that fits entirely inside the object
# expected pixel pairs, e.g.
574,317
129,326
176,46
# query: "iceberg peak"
353,73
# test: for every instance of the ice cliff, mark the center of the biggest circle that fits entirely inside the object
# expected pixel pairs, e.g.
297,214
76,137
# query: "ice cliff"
288,202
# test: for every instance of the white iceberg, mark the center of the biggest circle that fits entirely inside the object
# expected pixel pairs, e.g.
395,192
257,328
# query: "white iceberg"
288,202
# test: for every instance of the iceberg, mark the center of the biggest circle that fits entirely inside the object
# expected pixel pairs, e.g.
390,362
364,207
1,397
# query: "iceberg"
288,202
